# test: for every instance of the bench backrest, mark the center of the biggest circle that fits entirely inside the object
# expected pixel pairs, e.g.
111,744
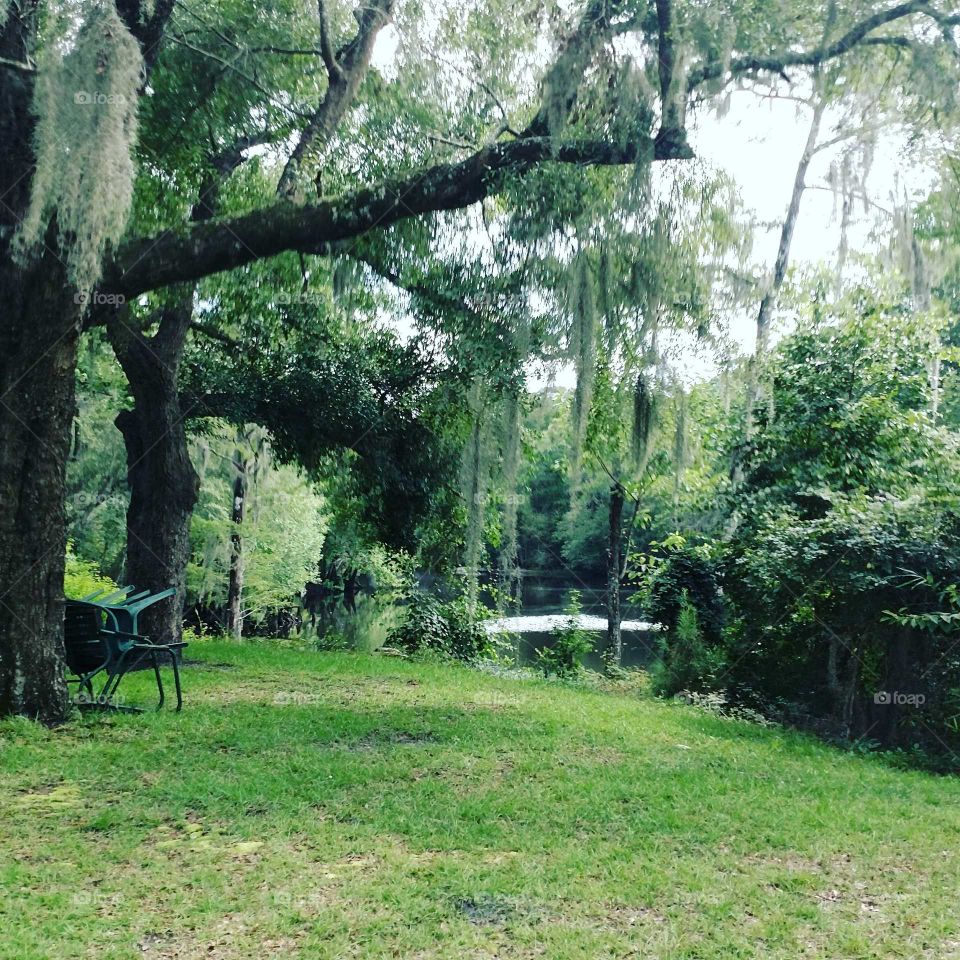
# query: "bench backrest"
82,637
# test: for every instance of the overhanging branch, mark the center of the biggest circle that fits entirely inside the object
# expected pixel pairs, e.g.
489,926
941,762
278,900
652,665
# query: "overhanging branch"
821,54
199,250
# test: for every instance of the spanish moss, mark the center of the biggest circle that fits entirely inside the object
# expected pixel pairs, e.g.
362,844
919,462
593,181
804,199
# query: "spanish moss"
85,102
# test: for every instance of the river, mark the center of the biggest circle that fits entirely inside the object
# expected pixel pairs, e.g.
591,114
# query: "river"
524,631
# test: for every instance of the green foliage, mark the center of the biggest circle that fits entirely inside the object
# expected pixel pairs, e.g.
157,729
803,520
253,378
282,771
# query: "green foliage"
97,495
852,411
946,619
569,643
677,576
447,628
82,577
282,532
688,660
848,530
379,418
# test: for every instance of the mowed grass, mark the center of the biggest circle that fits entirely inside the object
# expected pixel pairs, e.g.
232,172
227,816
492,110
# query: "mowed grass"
341,805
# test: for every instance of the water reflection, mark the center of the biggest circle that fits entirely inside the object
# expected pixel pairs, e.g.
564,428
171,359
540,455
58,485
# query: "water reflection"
544,600
363,621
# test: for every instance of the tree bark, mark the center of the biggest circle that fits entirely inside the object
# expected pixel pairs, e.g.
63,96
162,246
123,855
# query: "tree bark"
163,484
613,654
39,332
234,619
40,325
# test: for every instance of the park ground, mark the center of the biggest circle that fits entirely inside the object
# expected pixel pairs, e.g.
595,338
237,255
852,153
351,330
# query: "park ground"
326,805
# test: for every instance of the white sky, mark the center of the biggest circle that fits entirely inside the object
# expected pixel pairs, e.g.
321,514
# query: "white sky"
759,143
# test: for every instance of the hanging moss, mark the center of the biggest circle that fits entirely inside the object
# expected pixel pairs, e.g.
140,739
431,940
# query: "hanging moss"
644,420
474,482
606,282
583,344
680,443
85,102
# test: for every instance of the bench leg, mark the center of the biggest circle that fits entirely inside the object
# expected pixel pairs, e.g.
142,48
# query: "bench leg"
176,680
156,673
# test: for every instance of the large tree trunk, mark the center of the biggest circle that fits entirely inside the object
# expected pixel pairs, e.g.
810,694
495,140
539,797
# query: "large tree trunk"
39,331
614,651
163,484
39,328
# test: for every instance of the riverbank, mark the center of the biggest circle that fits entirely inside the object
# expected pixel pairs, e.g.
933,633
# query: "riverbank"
339,805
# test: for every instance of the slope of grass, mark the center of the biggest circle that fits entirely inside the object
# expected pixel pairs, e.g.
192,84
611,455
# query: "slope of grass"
338,805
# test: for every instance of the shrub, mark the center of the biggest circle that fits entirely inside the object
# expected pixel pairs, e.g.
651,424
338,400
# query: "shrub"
686,575
570,643
333,641
445,628
82,577
834,610
688,661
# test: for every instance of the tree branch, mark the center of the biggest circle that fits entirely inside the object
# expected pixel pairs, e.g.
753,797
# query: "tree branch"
672,96
18,65
822,53
334,71
212,332
202,249
147,22
349,67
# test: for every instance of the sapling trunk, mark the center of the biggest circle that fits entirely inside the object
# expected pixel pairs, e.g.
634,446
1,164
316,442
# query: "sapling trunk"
613,654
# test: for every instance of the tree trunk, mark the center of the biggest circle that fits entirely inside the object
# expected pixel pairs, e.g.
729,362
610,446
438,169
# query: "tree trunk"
899,679
848,706
614,652
163,484
39,332
833,674
234,622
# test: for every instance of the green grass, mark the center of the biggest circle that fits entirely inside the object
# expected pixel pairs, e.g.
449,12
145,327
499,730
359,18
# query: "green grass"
339,805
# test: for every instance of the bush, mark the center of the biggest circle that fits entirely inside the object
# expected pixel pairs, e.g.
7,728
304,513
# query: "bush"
686,576
570,643
333,641
446,628
833,610
82,577
688,661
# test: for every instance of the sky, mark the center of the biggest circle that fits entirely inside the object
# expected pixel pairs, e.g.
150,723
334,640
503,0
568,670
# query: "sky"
758,143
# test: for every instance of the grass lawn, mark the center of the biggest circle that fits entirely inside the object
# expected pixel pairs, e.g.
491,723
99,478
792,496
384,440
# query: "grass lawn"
343,805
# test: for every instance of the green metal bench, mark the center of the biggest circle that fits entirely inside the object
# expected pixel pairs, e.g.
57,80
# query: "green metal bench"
102,638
